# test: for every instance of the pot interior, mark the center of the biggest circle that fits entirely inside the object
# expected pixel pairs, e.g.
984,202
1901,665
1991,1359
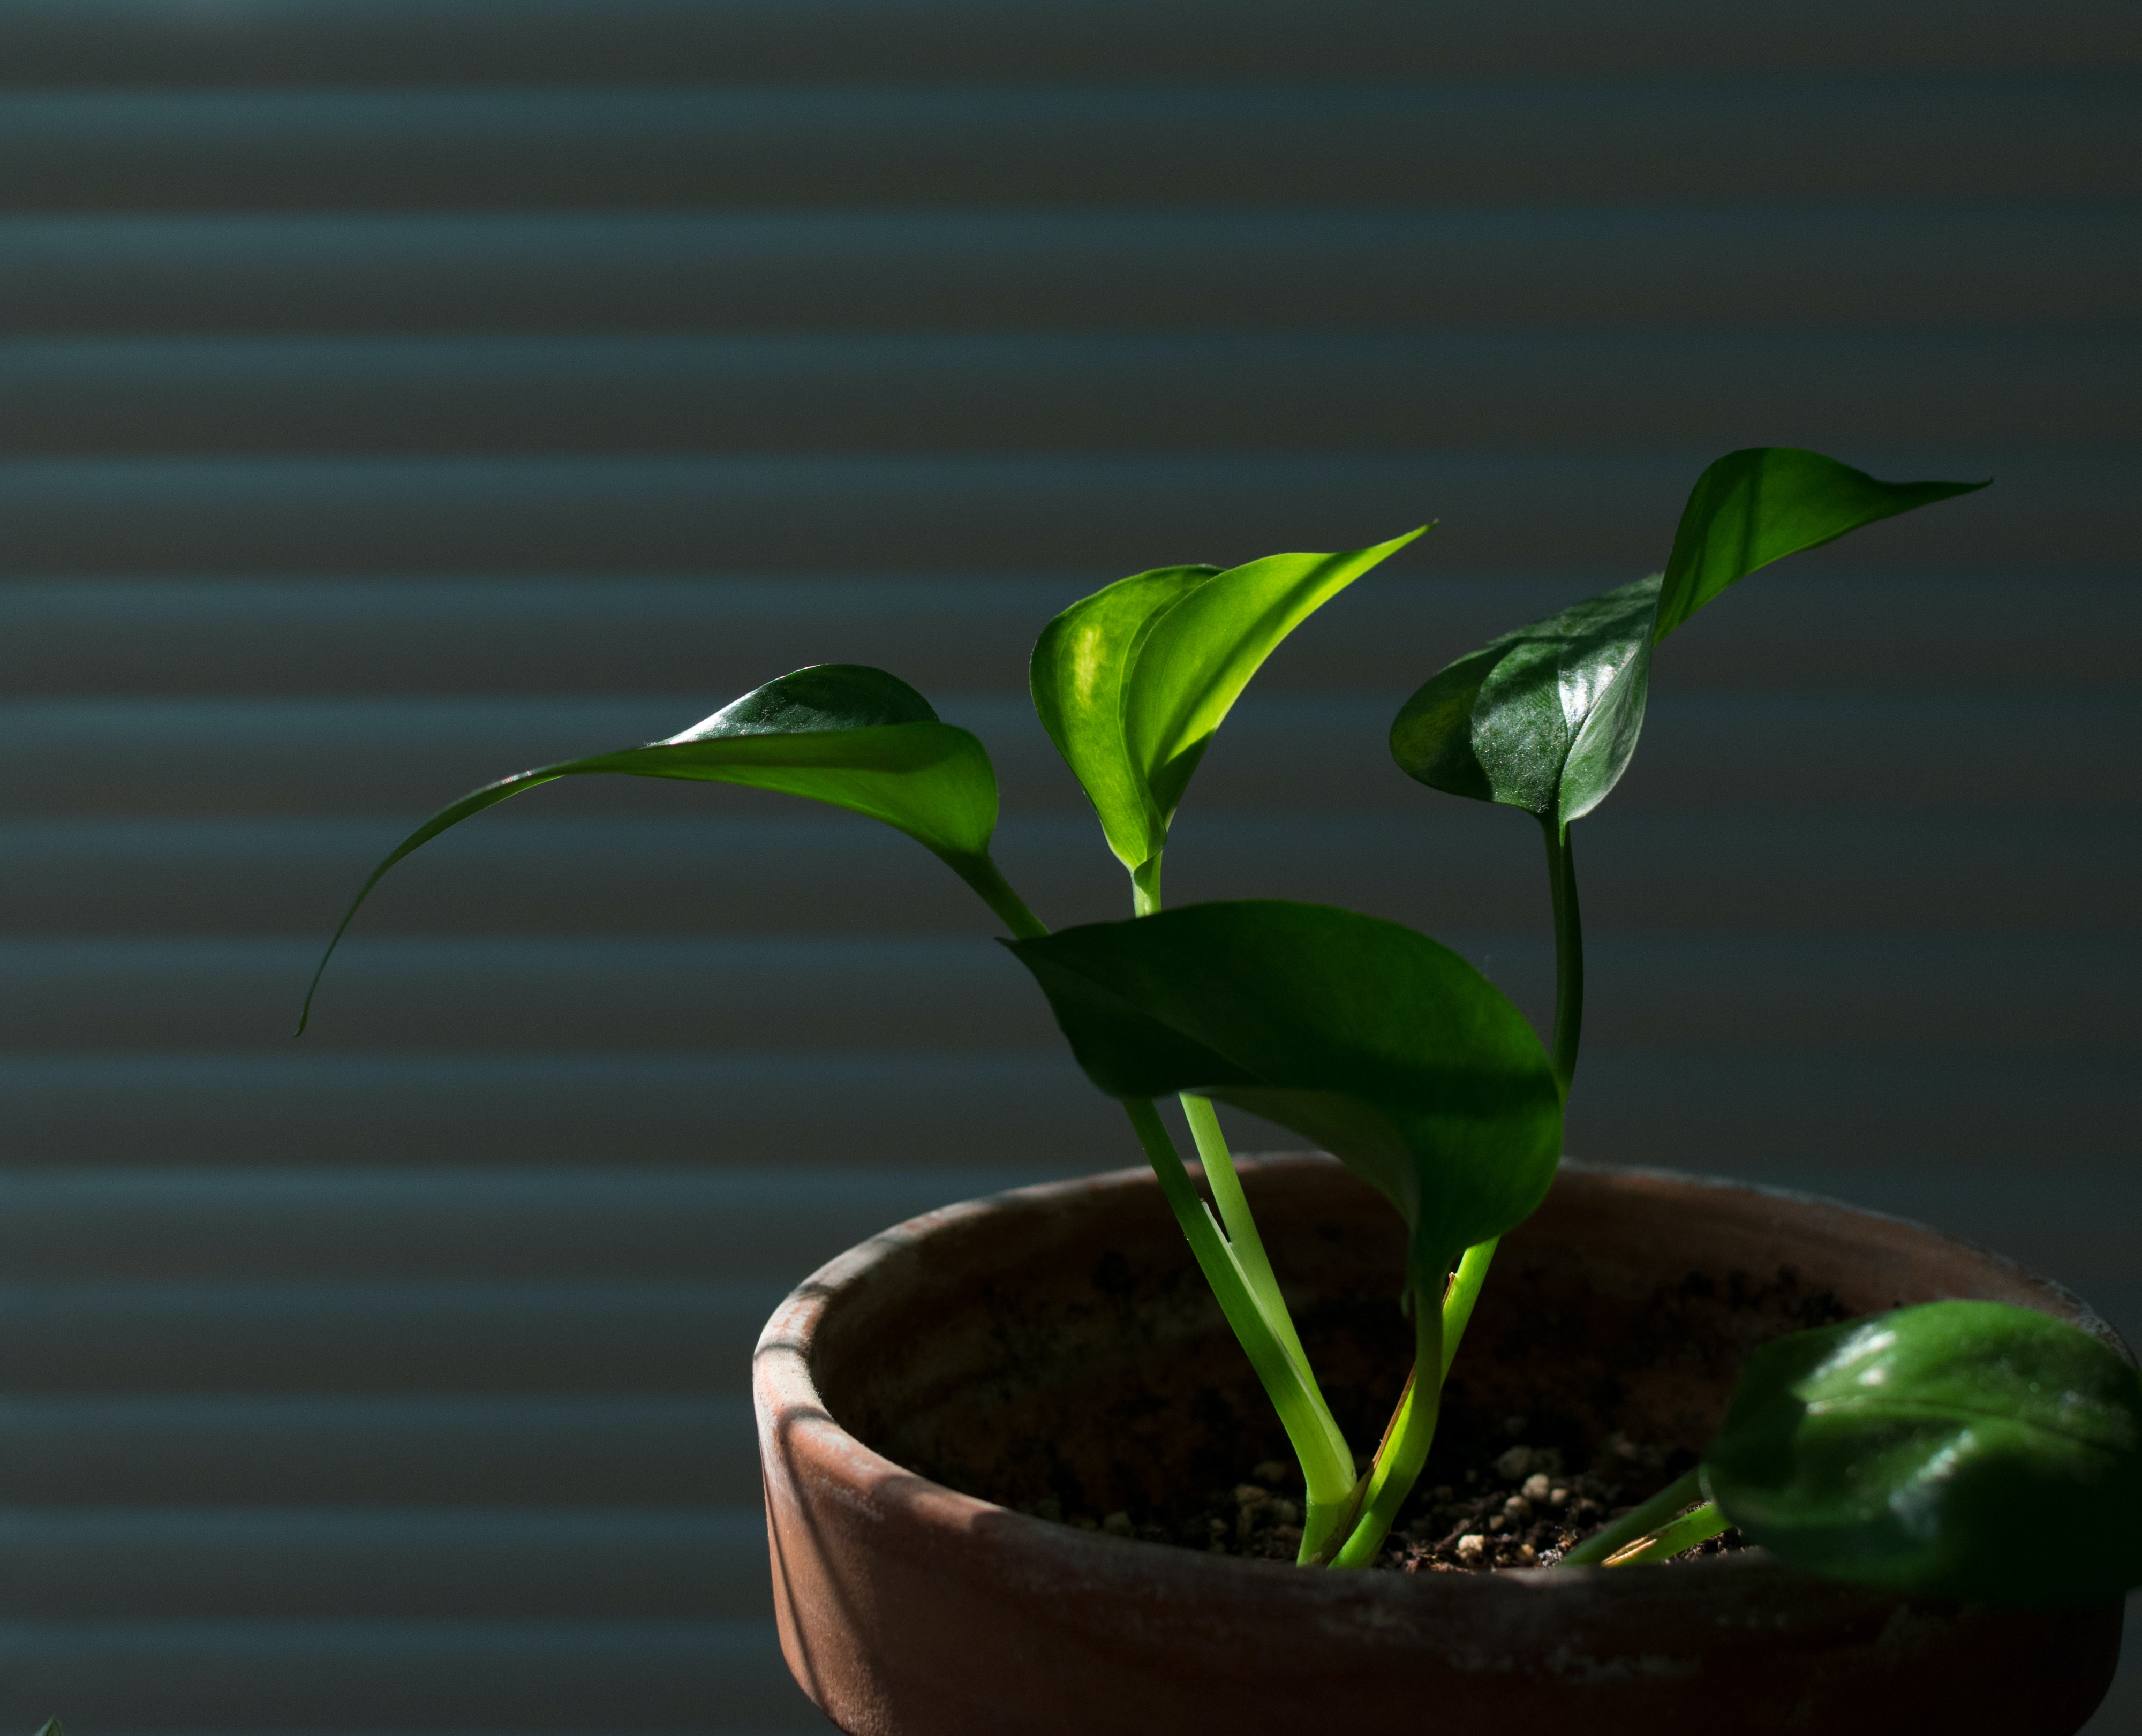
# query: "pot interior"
1064,1345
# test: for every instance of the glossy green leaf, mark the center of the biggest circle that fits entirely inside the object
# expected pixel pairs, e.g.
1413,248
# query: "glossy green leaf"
1544,718
841,733
1960,1449
1390,1051
1756,505
1132,682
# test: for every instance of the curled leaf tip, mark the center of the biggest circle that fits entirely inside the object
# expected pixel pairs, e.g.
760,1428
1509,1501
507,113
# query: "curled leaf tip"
844,734
816,698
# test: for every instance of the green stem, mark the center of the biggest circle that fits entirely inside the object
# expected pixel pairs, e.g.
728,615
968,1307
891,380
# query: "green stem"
1404,1453
1637,1522
1243,1241
1145,887
1568,951
1226,1185
1458,1297
1325,1524
982,873
1327,1463
1463,1292
1238,1271
1669,1540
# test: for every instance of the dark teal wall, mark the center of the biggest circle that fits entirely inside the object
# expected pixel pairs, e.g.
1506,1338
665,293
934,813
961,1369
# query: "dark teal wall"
396,396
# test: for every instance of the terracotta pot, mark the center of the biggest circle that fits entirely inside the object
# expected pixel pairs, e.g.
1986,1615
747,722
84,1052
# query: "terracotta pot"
1057,1340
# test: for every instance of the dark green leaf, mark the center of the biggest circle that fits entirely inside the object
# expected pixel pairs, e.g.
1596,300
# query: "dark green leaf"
1959,1449
1544,718
841,733
1390,1051
1756,505
1132,682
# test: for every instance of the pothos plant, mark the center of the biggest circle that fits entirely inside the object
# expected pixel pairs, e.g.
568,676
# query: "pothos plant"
1908,1450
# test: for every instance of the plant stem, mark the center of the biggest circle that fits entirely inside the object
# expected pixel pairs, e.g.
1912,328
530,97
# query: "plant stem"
1568,951
1670,1539
1458,1297
1403,1451
1237,1270
1463,1292
1145,887
1243,1241
1638,1522
1327,1463
1242,1228
982,873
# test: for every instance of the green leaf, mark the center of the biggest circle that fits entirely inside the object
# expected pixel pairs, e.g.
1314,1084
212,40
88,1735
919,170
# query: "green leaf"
1390,1051
1132,682
51,1726
1958,1449
1756,505
1077,676
841,733
1545,718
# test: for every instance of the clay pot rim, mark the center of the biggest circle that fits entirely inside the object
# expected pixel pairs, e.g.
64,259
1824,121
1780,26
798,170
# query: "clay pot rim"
788,1404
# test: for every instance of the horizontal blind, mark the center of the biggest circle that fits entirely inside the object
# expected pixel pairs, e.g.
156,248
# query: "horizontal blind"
394,394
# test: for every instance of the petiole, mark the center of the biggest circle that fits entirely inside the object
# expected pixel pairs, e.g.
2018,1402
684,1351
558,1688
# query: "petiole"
1242,1229
1327,1463
1638,1523
1670,1539
1464,1291
1244,1245
1568,951
1403,1451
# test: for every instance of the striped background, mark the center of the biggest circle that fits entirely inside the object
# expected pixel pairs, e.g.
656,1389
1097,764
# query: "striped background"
394,394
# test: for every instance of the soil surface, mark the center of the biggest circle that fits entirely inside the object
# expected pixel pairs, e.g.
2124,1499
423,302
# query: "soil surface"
1500,1490
1109,1396
1509,1504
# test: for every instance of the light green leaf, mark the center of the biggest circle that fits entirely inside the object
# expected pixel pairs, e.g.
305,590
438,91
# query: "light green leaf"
1756,505
1390,1051
1958,1449
1132,682
1545,718
841,733
1077,677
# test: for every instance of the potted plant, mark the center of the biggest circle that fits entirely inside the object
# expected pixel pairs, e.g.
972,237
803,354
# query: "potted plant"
1862,1426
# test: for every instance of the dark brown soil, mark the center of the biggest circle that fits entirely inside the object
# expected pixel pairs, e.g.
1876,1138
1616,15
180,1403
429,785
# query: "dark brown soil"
1526,1487
1510,1504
